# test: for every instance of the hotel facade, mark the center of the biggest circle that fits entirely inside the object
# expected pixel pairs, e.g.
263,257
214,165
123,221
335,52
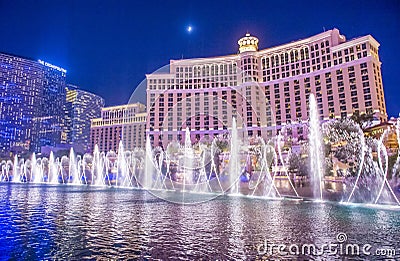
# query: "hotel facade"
266,89
126,123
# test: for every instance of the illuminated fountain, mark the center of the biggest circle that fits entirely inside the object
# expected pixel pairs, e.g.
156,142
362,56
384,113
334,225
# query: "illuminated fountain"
188,161
97,168
122,172
316,152
73,175
264,180
224,164
203,183
147,174
159,182
53,171
283,163
36,170
234,160
6,169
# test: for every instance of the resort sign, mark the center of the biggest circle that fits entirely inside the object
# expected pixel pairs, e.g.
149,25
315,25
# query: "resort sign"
52,66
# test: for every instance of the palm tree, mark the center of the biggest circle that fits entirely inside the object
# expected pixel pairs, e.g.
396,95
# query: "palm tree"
363,119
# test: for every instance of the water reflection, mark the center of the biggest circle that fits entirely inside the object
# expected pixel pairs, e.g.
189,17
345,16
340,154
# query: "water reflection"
236,246
68,222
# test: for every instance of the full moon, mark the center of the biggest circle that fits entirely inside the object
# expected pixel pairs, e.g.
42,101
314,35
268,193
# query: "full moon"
189,28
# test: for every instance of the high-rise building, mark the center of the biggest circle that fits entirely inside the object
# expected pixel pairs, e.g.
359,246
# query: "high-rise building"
49,126
32,95
126,123
266,89
80,108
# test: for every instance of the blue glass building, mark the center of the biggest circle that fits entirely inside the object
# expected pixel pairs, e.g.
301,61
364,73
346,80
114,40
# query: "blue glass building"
80,108
32,96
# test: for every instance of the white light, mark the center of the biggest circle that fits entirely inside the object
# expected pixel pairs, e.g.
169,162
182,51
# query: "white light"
52,66
189,29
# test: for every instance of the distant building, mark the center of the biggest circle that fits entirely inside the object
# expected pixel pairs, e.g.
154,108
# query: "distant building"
32,95
266,89
126,123
80,108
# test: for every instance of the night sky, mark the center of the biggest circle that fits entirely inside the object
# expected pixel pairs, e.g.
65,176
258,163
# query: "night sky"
108,46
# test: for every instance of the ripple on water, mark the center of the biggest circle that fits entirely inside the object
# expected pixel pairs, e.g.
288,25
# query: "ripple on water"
67,222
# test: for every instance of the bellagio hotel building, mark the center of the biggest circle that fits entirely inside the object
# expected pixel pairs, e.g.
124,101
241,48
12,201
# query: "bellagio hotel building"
265,89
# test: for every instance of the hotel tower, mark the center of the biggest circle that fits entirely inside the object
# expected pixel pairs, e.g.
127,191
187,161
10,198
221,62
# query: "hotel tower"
32,96
265,89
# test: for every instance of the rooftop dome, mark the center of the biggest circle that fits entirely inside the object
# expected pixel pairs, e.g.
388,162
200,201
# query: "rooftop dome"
248,44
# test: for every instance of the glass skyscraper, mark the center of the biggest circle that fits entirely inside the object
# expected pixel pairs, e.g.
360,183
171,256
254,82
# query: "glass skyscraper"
80,108
32,96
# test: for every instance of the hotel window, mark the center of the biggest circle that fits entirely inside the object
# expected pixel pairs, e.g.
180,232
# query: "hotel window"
286,58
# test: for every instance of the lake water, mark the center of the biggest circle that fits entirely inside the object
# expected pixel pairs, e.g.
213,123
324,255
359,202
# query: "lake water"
80,222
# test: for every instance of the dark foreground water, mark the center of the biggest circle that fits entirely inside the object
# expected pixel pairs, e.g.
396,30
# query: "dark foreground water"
65,222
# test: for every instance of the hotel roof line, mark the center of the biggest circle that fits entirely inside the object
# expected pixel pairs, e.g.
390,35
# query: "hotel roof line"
20,56
123,106
293,44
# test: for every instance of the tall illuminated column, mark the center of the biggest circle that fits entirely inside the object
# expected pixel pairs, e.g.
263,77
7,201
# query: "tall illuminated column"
252,110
